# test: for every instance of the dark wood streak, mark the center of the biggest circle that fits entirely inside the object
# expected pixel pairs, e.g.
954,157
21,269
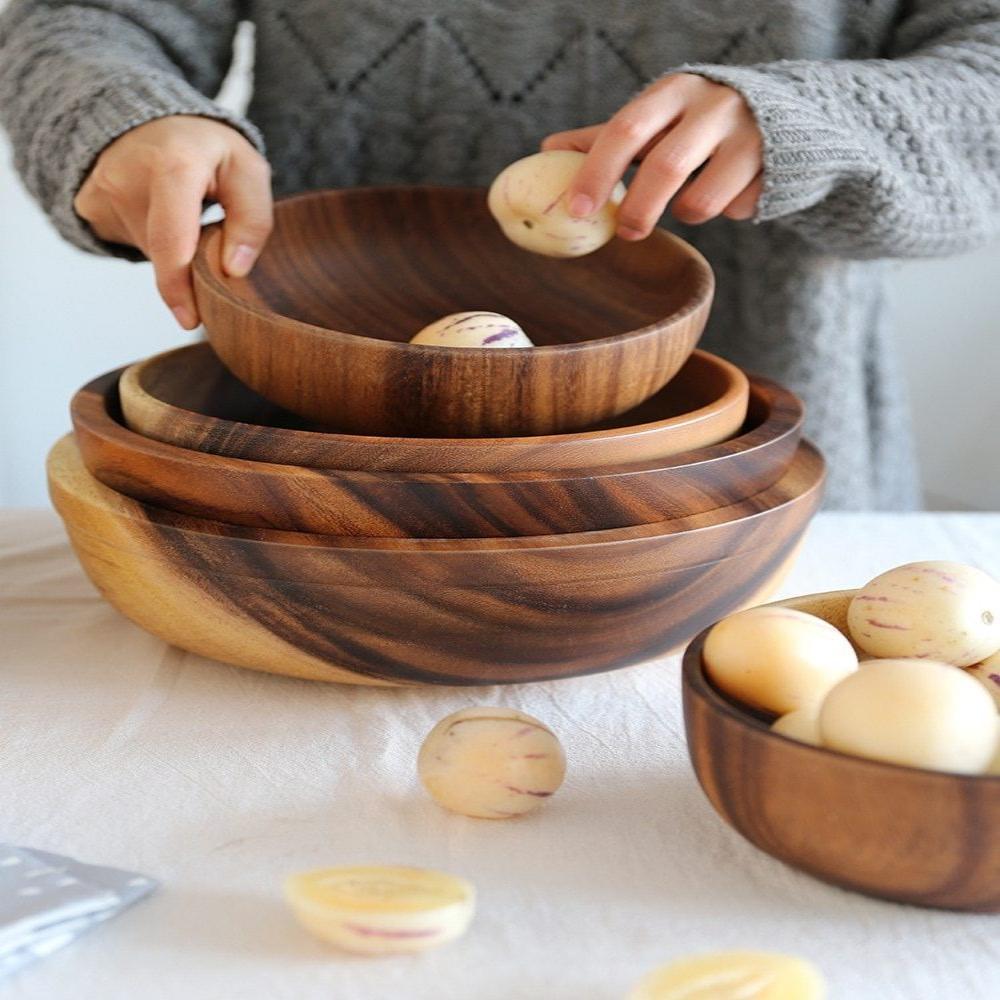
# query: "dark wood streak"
900,833
431,611
348,277
434,505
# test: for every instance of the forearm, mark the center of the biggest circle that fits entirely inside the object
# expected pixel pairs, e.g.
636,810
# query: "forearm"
73,77
888,157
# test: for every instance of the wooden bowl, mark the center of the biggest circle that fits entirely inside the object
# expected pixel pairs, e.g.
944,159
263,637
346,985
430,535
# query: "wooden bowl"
322,325
432,505
187,397
899,833
481,611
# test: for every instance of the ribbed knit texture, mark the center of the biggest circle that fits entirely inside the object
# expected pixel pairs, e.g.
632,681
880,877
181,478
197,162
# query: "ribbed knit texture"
881,125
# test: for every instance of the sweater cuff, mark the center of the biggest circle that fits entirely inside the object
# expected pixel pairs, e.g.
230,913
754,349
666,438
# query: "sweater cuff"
806,152
79,134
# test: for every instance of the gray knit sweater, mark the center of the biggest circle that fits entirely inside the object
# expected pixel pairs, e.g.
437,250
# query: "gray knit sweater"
881,124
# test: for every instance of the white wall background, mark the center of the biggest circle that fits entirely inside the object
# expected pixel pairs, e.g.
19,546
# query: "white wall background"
65,317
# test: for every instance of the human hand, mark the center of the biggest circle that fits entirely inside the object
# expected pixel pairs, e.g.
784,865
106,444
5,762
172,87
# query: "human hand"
678,125
147,188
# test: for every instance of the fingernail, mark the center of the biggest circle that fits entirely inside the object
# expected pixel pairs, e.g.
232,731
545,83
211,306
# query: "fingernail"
184,316
630,234
580,205
241,260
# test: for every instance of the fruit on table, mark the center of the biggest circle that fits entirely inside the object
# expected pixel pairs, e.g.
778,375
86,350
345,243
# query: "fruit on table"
378,910
920,713
528,200
929,610
777,659
492,763
473,329
987,672
801,725
733,975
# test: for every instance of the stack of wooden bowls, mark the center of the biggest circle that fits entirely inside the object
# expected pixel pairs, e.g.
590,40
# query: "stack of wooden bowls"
310,494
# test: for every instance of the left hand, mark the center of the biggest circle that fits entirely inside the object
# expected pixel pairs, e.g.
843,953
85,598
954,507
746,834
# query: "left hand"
678,125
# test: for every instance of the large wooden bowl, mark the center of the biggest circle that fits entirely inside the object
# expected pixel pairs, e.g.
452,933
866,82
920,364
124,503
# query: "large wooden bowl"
896,832
187,397
348,277
481,611
432,505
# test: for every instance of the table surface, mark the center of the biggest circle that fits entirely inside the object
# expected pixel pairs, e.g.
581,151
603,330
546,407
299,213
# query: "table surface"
120,750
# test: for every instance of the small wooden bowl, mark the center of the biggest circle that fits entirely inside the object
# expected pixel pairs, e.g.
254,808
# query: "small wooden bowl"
900,833
431,505
322,324
405,611
187,397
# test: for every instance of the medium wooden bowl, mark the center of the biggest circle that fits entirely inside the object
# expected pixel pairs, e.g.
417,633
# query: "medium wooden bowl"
899,833
187,397
431,505
322,324
482,611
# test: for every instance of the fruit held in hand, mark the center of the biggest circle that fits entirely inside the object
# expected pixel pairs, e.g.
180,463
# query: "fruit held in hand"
473,329
733,975
377,909
493,763
776,658
528,199
920,713
928,610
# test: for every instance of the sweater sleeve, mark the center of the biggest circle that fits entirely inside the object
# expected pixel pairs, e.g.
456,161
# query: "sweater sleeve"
894,157
76,75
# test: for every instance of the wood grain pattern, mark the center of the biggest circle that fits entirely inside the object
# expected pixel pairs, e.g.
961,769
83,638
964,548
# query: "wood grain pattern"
187,397
348,277
431,505
467,611
895,832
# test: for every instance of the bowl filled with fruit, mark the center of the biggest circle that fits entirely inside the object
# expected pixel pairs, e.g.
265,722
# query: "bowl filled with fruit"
855,735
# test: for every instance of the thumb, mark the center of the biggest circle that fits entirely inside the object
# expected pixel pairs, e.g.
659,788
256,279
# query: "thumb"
244,191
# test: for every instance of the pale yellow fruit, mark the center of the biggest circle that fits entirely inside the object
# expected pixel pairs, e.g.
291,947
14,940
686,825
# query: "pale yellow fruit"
987,672
776,658
920,713
473,329
733,975
528,200
928,610
377,910
801,725
492,763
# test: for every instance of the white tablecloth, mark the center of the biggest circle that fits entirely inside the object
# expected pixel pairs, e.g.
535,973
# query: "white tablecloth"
119,750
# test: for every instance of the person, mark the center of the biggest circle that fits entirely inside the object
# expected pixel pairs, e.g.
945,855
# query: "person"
795,142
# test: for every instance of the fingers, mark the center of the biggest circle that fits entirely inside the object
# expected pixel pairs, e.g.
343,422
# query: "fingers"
244,190
744,205
173,224
665,170
618,143
578,139
730,170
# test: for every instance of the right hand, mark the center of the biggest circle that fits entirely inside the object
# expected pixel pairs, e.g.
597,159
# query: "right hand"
146,189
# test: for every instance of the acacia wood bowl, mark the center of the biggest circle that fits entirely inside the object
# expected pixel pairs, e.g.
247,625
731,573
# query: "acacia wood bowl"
407,611
433,505
321,326
187,397
900,833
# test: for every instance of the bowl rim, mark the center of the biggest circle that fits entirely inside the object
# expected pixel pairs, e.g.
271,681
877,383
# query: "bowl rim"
781,423
739,386
536,546
204,271
696,684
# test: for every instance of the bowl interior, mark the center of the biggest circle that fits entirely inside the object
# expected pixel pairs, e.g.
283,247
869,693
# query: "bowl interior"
384,262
